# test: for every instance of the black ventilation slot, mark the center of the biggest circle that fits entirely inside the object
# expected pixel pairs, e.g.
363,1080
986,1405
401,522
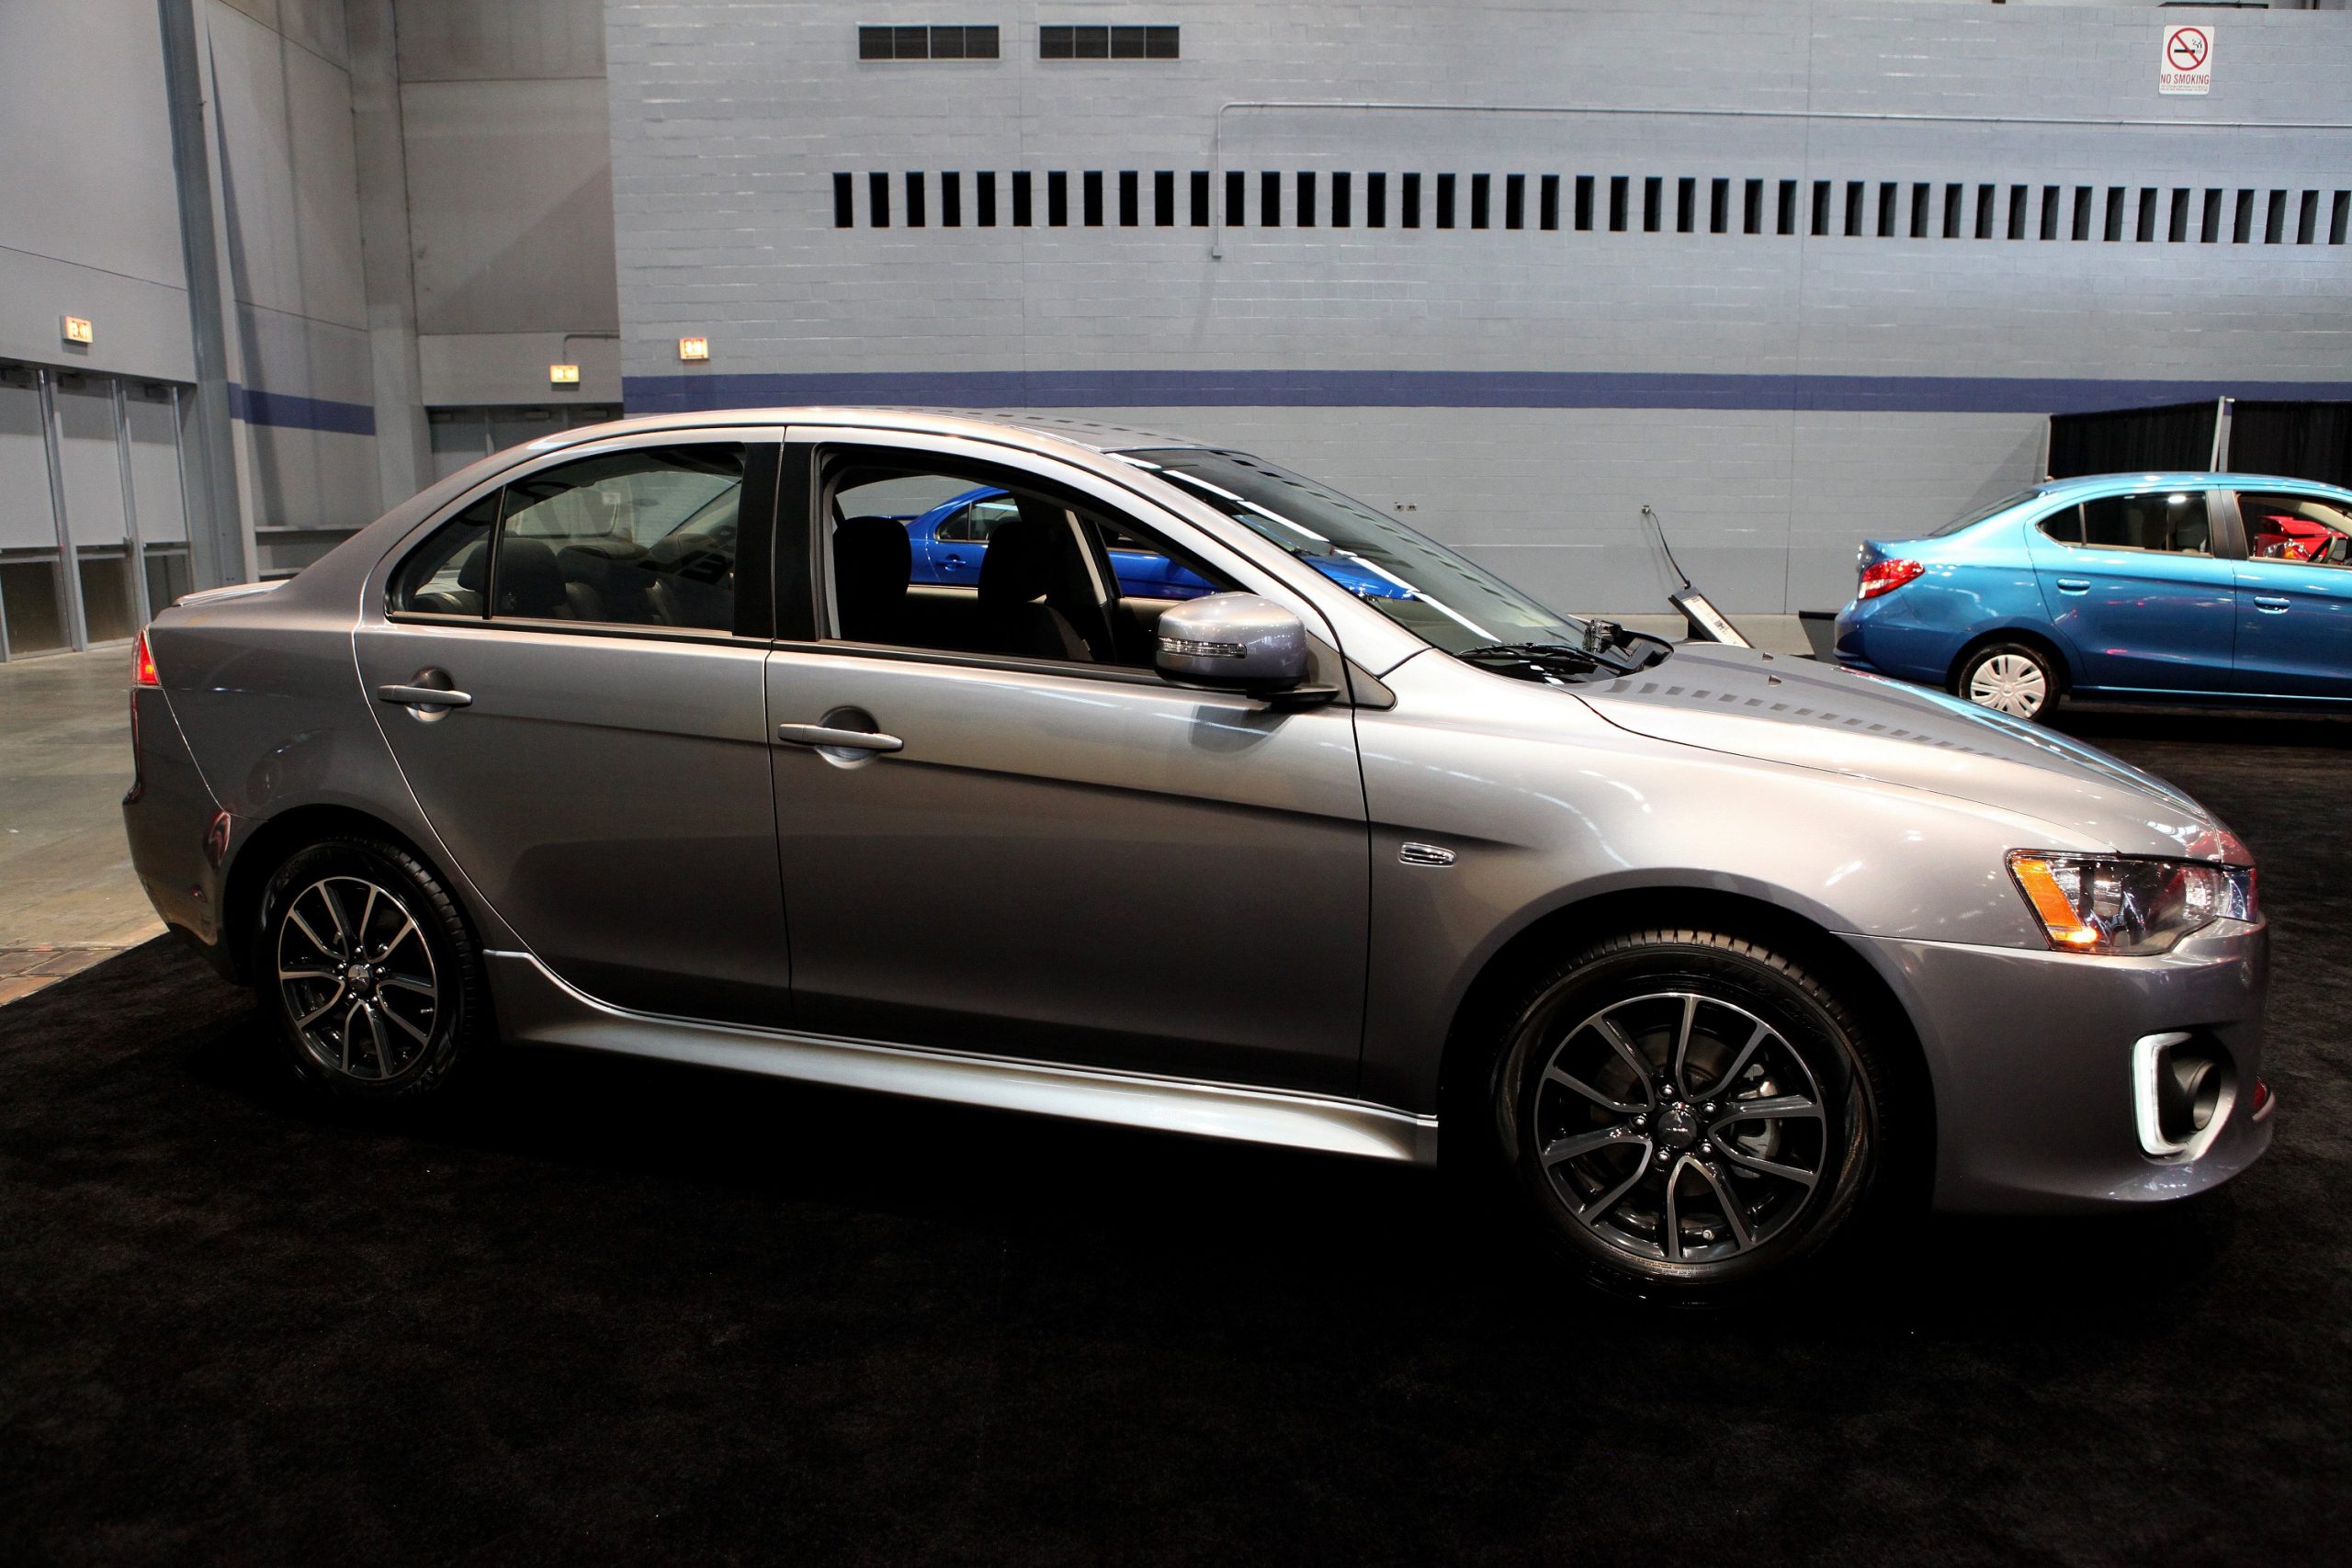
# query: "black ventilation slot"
1480,202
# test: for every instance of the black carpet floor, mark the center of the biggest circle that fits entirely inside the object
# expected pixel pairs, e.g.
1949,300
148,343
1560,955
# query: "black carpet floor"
621,1312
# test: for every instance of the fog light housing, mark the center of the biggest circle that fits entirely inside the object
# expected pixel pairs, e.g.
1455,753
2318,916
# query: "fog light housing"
2182,1089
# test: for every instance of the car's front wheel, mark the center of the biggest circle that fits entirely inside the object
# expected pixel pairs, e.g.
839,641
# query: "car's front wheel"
1688,1111
368,972
2014,678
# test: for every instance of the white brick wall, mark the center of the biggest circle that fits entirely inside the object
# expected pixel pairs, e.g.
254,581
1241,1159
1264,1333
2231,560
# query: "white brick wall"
730,119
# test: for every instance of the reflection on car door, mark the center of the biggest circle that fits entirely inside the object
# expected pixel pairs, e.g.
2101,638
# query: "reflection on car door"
605,786
1075,866
2294,593
2132,584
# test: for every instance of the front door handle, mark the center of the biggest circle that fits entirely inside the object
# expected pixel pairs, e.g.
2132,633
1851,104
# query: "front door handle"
2074,585
2270,607
821,736
422,697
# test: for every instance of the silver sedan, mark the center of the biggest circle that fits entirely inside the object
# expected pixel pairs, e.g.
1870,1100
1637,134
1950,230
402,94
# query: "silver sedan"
1207,800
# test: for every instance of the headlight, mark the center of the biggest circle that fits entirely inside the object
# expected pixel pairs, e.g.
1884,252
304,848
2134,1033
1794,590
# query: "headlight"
2113,904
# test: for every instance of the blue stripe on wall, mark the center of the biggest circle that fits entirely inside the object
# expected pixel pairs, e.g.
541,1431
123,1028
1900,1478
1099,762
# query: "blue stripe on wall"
1444,389
290,412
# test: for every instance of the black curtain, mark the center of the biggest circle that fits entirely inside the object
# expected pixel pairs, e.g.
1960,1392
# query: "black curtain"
2180,436
2296,441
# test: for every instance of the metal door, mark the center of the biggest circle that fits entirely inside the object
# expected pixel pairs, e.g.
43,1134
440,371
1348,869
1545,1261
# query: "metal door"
2151,618
2294,592
606,788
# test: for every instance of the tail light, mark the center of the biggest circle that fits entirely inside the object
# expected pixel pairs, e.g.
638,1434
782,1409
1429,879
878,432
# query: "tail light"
142,664
1886,576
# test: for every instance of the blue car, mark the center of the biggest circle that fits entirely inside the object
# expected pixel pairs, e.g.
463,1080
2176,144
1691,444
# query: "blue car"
951,539
2175,588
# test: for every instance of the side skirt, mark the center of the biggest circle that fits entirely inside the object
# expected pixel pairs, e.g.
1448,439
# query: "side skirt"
536,1005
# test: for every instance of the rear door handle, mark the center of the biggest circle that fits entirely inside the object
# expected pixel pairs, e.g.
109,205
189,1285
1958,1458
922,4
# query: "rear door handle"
422,697
2270,607
846,740
2074,585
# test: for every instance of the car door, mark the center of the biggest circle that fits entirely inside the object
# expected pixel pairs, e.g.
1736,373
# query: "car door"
1065,862
2134,587
600,772
2294,593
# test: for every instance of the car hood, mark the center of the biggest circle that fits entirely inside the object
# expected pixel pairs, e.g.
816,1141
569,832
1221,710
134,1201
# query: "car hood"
1807,715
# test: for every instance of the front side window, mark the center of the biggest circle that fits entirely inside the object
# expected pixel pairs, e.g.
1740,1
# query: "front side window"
2169,520
1039,575
2302,528
1414,581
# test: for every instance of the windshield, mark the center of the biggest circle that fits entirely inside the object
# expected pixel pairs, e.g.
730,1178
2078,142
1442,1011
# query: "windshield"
1415,581
1982,512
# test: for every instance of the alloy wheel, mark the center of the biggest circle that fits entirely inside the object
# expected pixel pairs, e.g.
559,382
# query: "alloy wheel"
1680,1128
357,978
2009,683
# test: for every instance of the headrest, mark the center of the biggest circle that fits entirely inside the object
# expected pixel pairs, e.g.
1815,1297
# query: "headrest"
529,581
873,549
1019,566
473,565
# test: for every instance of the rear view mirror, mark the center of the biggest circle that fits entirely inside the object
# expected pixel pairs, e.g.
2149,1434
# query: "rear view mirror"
1232,642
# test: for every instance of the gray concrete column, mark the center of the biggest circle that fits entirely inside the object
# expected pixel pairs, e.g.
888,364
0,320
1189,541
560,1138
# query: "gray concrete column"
216,527
403,445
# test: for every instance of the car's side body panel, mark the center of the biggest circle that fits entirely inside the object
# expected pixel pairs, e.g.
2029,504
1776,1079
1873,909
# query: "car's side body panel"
1052,850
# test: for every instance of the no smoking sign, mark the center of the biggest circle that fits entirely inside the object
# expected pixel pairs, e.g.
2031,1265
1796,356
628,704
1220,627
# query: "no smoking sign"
2187,62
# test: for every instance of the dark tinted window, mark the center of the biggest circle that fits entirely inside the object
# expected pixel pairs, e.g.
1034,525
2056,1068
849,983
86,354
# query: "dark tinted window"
638,538
448,573
2157,520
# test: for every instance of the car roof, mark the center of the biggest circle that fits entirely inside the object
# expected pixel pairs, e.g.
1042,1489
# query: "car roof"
1095,435
2175,478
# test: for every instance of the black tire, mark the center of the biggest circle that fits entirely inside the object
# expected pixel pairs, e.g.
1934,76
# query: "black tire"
1763,1035
351,928
1996,676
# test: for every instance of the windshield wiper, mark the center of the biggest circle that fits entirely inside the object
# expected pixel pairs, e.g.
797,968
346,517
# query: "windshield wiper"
1549,656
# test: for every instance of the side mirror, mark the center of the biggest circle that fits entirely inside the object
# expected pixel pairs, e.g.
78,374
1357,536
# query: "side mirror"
1235,642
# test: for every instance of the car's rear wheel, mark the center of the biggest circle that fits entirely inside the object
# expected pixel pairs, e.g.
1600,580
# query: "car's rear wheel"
1688,1112
2014,678
365,967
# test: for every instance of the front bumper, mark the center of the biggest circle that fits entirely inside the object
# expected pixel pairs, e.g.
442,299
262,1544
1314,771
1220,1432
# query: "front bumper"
2031,1054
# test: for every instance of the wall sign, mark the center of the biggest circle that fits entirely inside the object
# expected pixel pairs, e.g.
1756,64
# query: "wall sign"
2187,62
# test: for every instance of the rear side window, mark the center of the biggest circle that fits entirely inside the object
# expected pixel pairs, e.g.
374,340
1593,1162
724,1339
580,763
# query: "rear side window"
645,536
973,524
449,573
2172,521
